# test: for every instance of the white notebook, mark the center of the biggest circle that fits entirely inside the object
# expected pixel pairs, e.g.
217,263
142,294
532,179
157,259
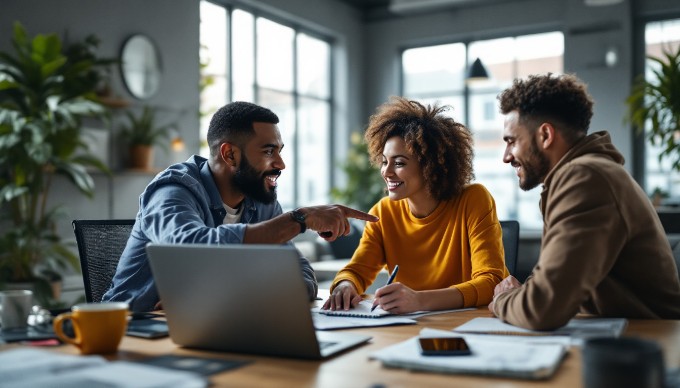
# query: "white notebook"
362,310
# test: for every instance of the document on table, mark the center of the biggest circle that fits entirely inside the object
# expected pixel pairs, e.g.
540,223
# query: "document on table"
330,322
38,368
362,316
576,330
508,359
363,310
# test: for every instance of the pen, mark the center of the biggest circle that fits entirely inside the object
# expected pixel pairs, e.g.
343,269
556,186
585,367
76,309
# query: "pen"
389,281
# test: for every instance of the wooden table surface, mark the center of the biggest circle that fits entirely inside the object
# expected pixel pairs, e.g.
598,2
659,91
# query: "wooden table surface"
353,368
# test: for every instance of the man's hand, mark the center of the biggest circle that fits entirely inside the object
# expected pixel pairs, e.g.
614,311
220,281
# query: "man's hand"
330,221
505,285
344,297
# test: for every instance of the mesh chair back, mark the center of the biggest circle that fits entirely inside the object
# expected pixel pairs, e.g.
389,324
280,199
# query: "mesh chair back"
511,244
344,246
100,244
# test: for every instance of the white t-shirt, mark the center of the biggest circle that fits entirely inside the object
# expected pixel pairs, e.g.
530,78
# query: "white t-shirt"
233,216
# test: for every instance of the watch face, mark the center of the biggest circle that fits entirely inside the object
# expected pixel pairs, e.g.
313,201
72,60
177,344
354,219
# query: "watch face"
300,219
298,216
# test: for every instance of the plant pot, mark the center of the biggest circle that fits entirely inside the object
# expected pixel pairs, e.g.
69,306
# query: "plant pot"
141,157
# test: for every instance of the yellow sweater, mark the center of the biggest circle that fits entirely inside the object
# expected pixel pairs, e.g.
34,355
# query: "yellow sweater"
458,245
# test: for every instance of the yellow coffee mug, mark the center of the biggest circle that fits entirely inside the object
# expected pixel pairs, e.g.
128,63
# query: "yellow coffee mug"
98,327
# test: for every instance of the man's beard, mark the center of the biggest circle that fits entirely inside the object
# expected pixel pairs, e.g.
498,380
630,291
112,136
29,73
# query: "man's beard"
252,183
535,168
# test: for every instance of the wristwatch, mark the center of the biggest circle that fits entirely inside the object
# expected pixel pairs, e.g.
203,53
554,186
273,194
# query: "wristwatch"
300,218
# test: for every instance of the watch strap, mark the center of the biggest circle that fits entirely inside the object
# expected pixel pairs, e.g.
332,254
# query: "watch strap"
299,217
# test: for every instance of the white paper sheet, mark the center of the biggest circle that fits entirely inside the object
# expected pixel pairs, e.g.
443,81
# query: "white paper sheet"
37,368
509,359
576,330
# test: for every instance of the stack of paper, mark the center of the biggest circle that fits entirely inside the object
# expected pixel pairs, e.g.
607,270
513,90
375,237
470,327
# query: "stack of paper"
36,368
509,359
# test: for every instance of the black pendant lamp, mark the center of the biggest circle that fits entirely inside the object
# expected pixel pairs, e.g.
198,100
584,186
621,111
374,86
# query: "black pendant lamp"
477,71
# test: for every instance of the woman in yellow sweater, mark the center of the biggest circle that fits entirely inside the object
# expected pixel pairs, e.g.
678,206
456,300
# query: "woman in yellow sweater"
442,231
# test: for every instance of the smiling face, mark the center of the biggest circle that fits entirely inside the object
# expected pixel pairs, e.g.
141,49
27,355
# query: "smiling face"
522,152
401,171
260,164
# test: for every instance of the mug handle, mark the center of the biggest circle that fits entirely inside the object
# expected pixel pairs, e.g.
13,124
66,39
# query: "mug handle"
59,329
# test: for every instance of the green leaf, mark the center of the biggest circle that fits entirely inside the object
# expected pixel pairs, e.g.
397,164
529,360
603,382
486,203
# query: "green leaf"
78,175
51,67
655,104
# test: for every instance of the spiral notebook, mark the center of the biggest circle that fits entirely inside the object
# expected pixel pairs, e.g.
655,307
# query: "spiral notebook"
362,310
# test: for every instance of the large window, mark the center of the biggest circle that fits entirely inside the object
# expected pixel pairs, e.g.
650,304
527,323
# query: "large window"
659,175
437,73
248,57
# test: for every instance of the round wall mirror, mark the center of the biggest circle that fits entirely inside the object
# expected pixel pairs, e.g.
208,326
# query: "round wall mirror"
140,66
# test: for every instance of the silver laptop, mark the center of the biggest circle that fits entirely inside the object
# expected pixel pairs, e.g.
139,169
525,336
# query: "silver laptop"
240,298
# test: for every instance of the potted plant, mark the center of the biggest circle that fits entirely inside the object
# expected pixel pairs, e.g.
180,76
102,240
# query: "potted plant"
657,101
45,91
141,133
365,186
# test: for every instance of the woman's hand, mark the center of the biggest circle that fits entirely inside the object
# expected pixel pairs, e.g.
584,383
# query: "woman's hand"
344,297
398,299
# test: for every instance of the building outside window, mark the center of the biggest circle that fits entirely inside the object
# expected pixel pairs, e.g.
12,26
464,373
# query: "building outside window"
660,36
249,57
437,73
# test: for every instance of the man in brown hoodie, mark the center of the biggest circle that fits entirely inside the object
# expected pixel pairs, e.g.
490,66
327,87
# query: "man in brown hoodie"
603,250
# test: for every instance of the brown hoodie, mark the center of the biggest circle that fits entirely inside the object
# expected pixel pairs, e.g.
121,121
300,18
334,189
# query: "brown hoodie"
603,250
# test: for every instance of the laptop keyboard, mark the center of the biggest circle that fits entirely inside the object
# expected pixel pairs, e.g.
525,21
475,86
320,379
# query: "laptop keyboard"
325,344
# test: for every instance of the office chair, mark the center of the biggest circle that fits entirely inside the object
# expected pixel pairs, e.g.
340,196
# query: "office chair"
511,244
344,247
100,244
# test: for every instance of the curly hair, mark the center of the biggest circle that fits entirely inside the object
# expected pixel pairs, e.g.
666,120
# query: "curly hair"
234,122
561,99
442,146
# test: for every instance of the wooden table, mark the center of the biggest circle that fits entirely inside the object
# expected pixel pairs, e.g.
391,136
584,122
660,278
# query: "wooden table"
354,369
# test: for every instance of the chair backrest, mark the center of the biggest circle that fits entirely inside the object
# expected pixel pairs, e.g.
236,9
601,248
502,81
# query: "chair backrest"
511,244
100,244
344,246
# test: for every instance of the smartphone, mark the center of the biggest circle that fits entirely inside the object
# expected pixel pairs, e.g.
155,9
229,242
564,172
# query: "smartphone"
444,346
147,328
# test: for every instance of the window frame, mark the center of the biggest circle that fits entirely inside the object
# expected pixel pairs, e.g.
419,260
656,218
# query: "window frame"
295,94
467,94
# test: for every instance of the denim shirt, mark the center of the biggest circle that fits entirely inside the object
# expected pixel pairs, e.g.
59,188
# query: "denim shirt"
182,205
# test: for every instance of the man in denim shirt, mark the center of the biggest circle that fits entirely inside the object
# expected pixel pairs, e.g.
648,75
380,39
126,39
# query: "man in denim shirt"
229,198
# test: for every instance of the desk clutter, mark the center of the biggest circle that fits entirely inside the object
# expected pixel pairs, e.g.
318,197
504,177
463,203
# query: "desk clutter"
524,360
39,368
500,349
496,349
